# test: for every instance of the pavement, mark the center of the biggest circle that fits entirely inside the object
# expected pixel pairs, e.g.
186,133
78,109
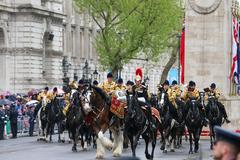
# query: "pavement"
28,148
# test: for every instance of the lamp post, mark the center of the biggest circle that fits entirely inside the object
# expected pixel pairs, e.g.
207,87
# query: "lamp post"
146,81
65,68
95,74
86,74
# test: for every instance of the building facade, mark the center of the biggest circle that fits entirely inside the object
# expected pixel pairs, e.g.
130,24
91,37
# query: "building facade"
208,27
44,41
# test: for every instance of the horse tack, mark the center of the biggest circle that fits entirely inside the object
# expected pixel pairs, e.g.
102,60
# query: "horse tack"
155,113
117,107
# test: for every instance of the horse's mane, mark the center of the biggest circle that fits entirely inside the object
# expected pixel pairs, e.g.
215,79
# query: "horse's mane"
101,92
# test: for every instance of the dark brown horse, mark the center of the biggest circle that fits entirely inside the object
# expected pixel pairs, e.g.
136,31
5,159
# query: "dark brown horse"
96,104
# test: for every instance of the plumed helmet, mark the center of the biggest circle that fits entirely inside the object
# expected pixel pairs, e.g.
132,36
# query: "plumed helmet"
139,74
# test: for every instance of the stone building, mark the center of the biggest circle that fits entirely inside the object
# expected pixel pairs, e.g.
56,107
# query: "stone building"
208,27
31,45
40,40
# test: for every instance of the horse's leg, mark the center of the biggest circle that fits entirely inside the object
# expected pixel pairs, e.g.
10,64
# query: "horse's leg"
118,142
146,138
100,149
211,136
132,144
105,141
172,141
154,139
190,140
73,133
196,139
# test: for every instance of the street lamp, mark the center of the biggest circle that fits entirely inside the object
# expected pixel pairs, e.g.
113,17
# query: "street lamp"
86,75
146,80
95,74
65,68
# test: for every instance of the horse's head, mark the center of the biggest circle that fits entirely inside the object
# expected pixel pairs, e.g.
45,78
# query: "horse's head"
87,99
162,98
44,101
154,100
131,103
202,95
94,97
193,112
212,102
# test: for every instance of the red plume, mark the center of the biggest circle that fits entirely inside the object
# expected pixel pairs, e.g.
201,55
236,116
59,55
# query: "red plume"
139,72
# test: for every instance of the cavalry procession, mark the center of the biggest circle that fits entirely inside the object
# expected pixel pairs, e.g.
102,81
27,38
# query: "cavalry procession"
88,111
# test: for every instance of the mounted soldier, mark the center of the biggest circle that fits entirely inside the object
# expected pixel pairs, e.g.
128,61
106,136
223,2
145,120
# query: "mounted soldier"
120,85
109,85
73,88
44,94
190,93
142,93
213,91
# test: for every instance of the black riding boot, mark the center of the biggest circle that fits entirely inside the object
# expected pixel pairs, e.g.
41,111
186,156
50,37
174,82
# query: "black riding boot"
223,110
203,113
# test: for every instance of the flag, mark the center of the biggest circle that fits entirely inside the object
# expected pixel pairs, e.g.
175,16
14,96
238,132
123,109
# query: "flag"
182,55
234,68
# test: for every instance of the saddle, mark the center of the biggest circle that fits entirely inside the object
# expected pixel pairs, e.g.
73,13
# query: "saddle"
155,113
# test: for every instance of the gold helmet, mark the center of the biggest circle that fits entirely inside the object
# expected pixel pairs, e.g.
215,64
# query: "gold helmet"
73,85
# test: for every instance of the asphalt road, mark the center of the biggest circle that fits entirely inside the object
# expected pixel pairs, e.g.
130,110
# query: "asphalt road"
27,148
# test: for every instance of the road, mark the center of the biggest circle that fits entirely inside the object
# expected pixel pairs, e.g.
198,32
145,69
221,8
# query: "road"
27,148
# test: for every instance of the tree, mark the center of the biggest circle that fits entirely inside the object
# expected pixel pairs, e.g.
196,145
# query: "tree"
132,27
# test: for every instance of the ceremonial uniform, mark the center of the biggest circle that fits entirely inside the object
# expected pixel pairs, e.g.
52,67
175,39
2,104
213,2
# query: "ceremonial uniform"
193,93
187,95
213,91
120,87
108,87
48,96
73,86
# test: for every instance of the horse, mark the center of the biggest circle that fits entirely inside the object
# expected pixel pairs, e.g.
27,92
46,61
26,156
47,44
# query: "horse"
181,123
96,105
136,124
53,115
168,123
194,123
214,116
41,119
74,119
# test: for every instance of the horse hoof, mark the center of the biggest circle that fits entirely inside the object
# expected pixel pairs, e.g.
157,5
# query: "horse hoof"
59,141
69,142
162,148
63,141
116,154
165,151
196,151
172,150
74,149
99,156
148,156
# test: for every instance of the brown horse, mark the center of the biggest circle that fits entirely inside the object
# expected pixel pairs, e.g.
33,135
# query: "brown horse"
96,105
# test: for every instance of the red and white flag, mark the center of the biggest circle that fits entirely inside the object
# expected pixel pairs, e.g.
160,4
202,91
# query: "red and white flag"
234,49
